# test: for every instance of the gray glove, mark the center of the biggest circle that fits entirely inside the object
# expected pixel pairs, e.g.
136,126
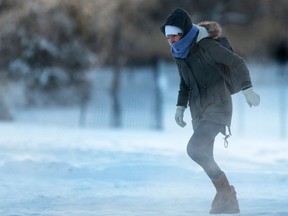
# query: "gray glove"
179,116
252,98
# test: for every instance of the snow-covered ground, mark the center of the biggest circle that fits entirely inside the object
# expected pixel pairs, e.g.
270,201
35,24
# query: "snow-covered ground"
50,169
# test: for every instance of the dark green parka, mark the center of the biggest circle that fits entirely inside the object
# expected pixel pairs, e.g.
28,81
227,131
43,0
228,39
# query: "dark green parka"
201,85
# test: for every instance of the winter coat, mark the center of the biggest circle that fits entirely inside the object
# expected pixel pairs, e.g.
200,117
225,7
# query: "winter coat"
201,86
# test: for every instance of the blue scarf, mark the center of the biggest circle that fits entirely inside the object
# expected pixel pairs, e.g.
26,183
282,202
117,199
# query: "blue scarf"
181,48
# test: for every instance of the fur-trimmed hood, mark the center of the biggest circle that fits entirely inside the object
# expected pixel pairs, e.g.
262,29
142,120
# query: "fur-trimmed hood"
213,28
208,29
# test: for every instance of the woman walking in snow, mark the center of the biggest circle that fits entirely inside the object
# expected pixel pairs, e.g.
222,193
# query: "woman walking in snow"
205,91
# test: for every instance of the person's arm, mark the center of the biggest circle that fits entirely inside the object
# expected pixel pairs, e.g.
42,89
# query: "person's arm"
183,93
182,101
237,64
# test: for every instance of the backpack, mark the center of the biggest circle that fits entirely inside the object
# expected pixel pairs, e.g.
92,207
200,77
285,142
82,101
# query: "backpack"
232,82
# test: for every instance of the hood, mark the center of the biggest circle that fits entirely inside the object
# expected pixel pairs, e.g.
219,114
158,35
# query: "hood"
182,20
213,29
179,18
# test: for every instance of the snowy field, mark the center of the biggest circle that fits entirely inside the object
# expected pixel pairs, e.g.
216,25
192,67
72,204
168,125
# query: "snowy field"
49,169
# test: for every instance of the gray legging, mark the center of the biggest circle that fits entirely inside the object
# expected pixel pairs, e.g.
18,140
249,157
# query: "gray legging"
201,145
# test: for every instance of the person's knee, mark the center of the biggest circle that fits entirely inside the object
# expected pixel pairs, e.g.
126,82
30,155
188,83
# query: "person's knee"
194,152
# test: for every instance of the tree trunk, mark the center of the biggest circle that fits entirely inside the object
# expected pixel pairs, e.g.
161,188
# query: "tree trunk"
158,108
116,115
116,119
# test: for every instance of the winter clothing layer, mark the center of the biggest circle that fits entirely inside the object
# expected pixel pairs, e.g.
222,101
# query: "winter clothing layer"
201,86
172,30
179,18
181,48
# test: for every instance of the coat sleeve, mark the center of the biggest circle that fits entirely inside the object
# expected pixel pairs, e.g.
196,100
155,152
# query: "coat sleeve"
237,64
183,93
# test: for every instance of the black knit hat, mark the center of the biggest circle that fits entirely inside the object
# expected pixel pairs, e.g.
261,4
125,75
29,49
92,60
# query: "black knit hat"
179,18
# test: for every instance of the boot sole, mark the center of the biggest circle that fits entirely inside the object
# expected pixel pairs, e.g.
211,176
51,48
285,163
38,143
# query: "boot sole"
230,206
227,208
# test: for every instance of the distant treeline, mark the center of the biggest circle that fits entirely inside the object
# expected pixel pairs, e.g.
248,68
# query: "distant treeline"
51,43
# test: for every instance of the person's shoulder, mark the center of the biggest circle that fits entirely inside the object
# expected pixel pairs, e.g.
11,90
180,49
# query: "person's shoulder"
207,42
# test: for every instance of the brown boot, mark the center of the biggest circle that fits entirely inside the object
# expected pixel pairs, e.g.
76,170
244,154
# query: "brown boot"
225,201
